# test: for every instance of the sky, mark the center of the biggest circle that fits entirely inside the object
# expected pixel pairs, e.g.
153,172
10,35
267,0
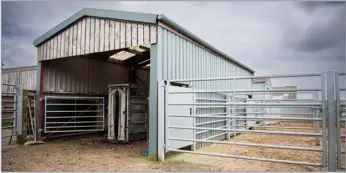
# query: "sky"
270,37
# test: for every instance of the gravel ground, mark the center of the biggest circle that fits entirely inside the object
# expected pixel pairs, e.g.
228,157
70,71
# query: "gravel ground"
93,154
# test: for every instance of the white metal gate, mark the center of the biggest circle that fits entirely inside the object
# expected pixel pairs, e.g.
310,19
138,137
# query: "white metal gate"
71,114
11,117
319,116
126,112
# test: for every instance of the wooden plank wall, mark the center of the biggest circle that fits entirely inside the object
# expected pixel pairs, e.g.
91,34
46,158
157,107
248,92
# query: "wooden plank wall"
91,35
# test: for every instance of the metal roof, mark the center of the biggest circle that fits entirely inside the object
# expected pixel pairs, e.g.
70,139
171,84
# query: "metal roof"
133,16
22,68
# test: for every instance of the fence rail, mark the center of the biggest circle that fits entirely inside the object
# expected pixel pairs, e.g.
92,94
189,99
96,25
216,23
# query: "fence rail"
194,116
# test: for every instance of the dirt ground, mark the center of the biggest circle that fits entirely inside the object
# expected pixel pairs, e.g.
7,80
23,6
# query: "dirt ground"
93,154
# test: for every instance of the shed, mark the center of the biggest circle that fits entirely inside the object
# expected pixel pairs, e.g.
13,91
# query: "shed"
24,77
95,50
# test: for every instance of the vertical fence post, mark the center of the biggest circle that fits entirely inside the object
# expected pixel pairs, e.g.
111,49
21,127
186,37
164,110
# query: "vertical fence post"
194,120
162,115
331,112
338,123
19,117
228,111
324,119
316,115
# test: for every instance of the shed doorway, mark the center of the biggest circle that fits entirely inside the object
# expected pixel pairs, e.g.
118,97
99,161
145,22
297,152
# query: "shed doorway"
118,80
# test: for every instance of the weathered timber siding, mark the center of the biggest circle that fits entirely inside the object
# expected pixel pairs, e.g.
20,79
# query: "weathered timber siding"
92,35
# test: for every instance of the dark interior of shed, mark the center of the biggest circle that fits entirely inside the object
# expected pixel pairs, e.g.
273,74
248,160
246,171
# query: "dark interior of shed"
134,58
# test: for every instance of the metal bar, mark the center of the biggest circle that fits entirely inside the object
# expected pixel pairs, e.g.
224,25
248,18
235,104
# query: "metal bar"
331,105
77,111
76,117
204,131
283,127
214,136
210,122
213,114
66,127
209,99
208,107
70,104
7,101
245,117
247,77
249,131
247,91
338,122
78,122
254,104
73,97
8,118
251,145
8,127
259,113
8,110
282,100
324,119
246,157
67,131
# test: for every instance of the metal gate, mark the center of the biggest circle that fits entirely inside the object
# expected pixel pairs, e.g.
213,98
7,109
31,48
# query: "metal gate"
304,118
71,114
11,98
127,112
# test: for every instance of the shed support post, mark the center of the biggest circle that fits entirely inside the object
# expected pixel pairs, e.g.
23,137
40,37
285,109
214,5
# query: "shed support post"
162,129
39,103
332,120
153,103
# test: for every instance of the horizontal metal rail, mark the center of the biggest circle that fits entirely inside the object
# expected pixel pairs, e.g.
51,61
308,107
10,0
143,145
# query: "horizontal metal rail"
214,136
246,157
209,99
77,122
7,101
74,98
213,114
87,130
67,127
76,117
78,111
246,117
71,104
208,107
251,145
204,131
254,104
280,127
11,118
275,113
248,91
247,77
210,122
8,127
249,131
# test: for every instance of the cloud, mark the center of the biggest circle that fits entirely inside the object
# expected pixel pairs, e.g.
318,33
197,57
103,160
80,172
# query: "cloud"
271,37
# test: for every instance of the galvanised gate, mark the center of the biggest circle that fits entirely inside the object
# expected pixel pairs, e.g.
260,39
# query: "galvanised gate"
190,117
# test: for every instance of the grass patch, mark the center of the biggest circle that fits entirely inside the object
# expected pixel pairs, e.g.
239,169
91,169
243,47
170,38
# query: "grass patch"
7,124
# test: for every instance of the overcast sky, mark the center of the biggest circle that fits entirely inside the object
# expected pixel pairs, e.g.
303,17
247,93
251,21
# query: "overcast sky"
270,37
